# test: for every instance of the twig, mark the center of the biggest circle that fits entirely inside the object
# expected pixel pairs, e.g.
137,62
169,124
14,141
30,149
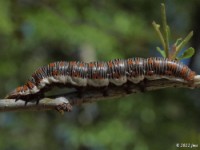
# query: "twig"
165,27
7,105
63,102
157,29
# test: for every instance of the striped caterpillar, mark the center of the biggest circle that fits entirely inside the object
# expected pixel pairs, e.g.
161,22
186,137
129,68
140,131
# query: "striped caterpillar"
101,74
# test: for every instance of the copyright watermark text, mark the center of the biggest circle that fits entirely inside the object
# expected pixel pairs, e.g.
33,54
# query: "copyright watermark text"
188,145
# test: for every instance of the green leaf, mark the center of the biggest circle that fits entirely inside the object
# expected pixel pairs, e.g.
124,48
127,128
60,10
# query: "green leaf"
165,29
157,29
183,43
187,54
161,52
178,41
168,31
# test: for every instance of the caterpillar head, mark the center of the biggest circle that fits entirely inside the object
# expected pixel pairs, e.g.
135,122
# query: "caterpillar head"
18,92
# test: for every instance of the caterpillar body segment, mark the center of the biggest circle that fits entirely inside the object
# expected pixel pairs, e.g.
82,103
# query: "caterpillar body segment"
100,74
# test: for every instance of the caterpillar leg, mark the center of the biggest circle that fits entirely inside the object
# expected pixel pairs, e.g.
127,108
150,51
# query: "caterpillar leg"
128,87
142,85
105,91
33,98
39,97
80,91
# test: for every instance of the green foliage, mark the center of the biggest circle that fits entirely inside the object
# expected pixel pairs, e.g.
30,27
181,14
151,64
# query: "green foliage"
163,54
179,44
6,26
187,54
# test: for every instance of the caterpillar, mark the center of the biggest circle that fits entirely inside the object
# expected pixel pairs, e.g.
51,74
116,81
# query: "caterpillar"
101,74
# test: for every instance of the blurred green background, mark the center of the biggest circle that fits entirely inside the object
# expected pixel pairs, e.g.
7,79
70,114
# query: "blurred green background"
36,32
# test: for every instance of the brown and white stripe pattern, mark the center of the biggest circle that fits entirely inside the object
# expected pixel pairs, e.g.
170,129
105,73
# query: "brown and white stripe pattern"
101,74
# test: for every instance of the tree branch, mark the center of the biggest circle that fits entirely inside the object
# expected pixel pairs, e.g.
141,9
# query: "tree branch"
63,102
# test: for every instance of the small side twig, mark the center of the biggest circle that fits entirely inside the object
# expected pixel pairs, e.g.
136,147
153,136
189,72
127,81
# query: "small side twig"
165,27
7,105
